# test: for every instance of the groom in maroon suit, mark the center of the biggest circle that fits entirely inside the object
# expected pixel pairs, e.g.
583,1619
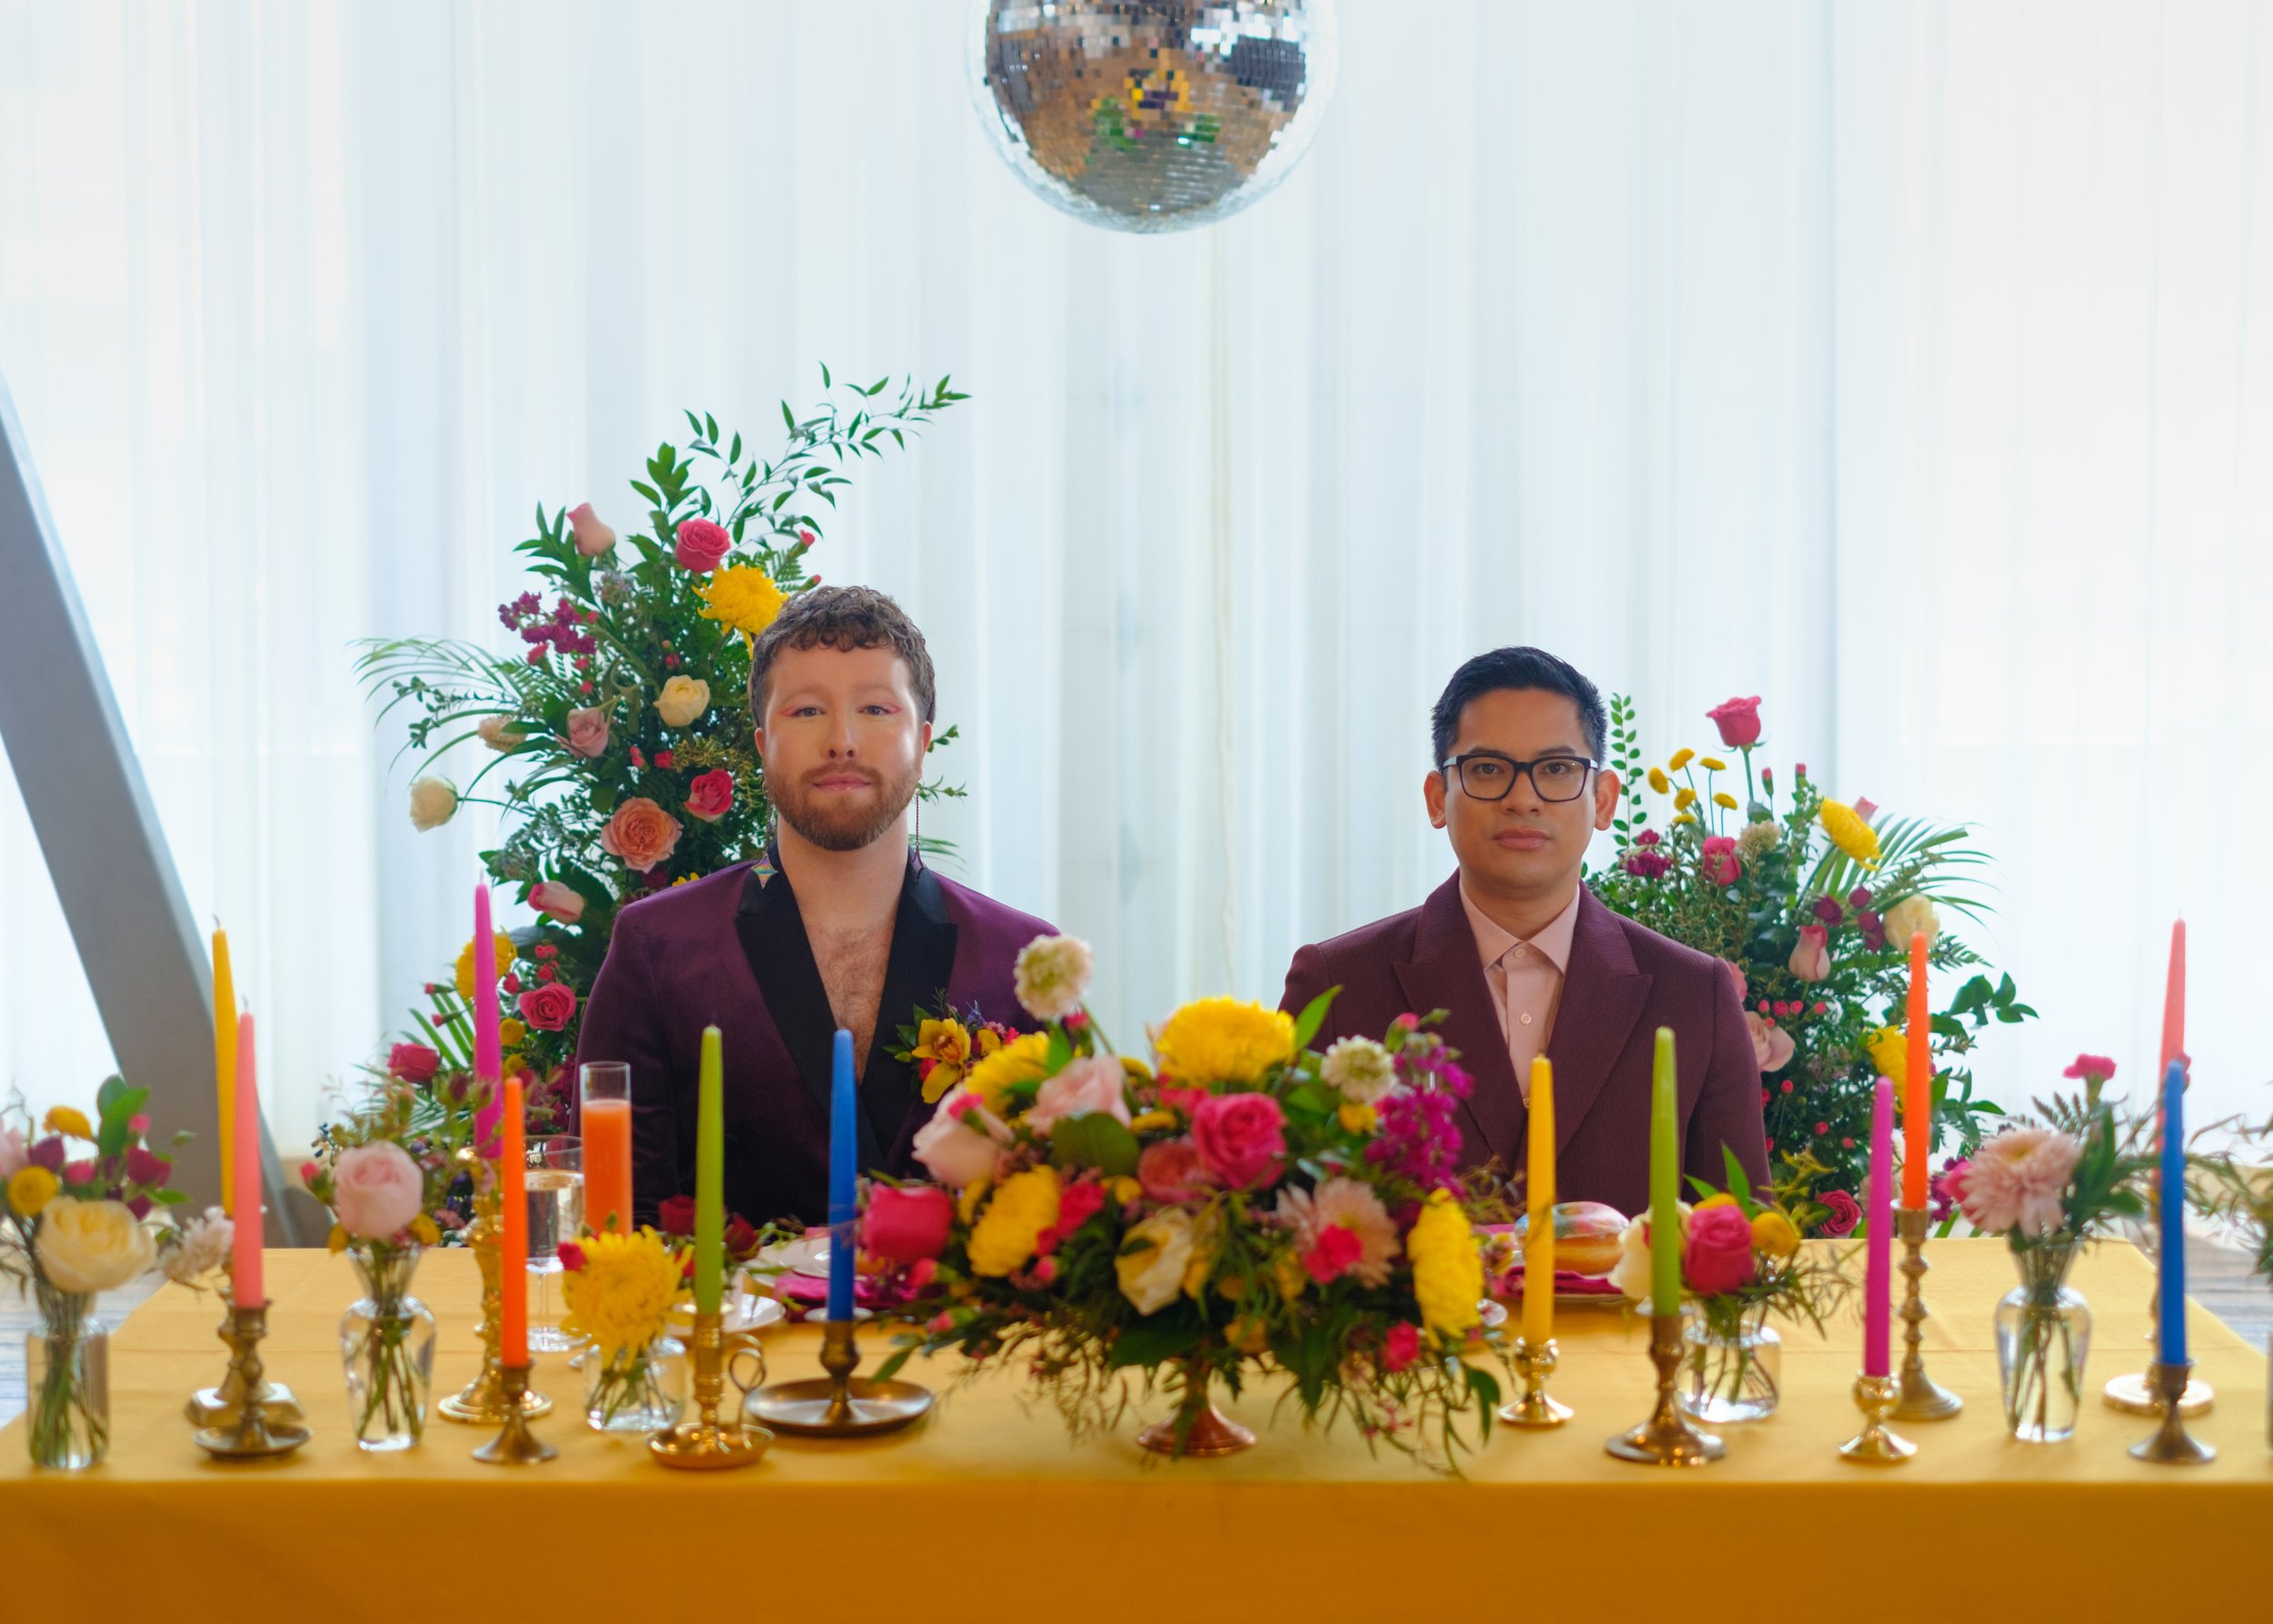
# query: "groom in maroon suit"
1526,960
849,929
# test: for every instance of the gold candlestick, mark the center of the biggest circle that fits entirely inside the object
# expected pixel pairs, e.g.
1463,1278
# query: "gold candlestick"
481,1401
2133,1392
837,1406
221,1407
2171,1444
1531,1406
515,1444
1666,1439
1922,1398
707,1443
1877,1397
253,1436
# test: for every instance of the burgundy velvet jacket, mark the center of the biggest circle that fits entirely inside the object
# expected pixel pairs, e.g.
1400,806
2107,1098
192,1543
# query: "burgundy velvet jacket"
1623,982
731,950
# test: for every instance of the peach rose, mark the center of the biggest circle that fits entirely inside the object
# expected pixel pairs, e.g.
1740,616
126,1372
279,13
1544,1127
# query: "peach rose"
641,833
1772,1046
1093,1083
550,897
1811,959
587,732
593,537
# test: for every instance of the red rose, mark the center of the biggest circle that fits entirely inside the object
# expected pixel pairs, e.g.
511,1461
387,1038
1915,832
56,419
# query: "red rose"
701,545
906,1223
1845,1214
1739,721
1719,1255
1401,1347
740,1240
1241,1138
412,1062
547,1007
675,1215
711,795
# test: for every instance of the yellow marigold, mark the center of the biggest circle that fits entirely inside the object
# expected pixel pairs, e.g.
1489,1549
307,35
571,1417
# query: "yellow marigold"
1152,1121
622,1295
1659,782
1124,1189
741,596
1358,1118
30,1189
1685,817
1290,1276
505,950
1719,1198
1681,758
66,1120
1139,1072
1448,1269
1021,1060
511,1033
1684,799
1774,1234
1212,1041
337,1240
1891,1053
1004,1236
426,1231
1721,797
1712,764
1849,833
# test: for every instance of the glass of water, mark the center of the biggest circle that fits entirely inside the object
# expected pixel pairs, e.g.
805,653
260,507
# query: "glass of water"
556,1195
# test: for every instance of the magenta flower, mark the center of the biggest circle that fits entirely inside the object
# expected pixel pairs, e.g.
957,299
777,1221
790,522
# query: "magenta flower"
1718,859
1846,1212
2090,1068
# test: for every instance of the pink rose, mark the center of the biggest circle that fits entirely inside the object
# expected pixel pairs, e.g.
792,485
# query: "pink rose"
641,833
1739,721
1240,1136
1811,959
547,1007
701,545
1718,859
593,537
1093,1083
377,1190
1718,1256
412,1062
551,898
1865,806
1173,1173
1845,1214
1736,974
958,1146
906,1223
1401,1347
1772,1046
587,732
144,1166
710,796
14,1156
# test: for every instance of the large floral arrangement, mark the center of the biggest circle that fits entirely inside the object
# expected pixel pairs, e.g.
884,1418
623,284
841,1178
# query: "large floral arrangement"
1242,1205
619,741
1811,902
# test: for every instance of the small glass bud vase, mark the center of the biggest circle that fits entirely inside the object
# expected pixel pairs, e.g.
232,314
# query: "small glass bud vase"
2043,1332
1732,1365
638,1389
386,1349
67,1384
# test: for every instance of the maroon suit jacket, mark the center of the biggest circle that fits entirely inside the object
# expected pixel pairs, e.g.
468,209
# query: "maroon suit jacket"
730,950
1623,982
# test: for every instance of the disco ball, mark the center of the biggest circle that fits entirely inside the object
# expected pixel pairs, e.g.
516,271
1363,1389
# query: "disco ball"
1152,115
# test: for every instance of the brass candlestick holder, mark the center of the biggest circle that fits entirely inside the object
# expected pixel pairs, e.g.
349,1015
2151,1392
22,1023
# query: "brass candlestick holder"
481,1401
707,1443
1877,1397
1666,1439
837,1406
253,1436
1534,1363
2171,1444
2133,1392
515,1444
1922,1399
221,1407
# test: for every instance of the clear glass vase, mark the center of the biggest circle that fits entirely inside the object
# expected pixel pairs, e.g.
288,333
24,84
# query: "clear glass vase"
67,1381
386,1350
1732,1365
2043,1332
636,1389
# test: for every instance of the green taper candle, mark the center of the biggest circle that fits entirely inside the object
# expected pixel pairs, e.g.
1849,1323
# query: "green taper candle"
1665,1183
710,1175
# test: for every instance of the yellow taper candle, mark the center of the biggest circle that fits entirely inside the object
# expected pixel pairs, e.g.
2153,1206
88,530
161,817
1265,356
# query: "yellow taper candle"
224,1063
1539,1252
710,1177
1665,1183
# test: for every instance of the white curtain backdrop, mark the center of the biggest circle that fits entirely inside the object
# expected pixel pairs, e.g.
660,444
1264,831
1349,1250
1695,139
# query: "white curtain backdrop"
1909,365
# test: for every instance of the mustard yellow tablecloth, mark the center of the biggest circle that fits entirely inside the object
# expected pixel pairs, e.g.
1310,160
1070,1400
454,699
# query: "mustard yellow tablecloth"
986,1512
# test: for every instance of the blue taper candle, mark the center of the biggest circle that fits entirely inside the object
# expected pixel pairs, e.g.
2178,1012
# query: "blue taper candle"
2172,1295
844,1134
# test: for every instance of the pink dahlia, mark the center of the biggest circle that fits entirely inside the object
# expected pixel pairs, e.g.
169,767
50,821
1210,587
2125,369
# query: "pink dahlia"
2018,1182
1352,1208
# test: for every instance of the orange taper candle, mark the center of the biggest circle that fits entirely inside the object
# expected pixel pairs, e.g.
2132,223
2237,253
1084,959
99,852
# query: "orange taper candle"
1917,1083
512,1244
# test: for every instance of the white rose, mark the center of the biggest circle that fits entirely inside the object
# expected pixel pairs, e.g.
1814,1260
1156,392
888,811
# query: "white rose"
1152,1271
433,802
957,1154
1360,1070
91,1245
1906,917
685,699
1631,1274
201,1245
496,732
1052,976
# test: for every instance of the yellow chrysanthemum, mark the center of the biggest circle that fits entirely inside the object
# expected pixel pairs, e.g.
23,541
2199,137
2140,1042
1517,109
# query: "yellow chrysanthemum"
1891,1053
1685,817
1152,1121
1124,1189
1721,797
505,950
1681,758
1712,764
1025,1205
1358,1118
1211,1041
1659,782
1684,800
68,1120
511,1033
31,1188
1447,1266
741,596
1021,1060
622,1295
1849,833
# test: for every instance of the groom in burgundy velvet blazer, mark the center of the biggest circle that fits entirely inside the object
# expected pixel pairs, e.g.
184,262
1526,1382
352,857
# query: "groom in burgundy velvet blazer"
1526,961
845,927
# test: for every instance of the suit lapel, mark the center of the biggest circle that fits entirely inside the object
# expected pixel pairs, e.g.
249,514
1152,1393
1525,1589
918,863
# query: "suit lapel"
1446,974
918,975
773,938
1603,995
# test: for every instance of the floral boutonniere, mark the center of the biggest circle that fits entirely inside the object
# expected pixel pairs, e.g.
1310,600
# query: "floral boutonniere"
942,1048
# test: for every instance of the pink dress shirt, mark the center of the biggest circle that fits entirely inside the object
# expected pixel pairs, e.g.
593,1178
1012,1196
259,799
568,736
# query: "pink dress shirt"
1526,978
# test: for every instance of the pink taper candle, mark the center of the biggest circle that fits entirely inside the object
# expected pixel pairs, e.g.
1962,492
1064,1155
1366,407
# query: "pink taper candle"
488,1057
1878,1267
2174,1002
245,1286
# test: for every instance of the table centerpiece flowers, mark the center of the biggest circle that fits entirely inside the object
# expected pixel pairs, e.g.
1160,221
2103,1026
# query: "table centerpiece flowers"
620,1290
2050,1189
1243,1205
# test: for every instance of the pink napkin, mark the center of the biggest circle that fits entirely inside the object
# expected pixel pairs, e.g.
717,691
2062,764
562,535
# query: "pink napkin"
807,1291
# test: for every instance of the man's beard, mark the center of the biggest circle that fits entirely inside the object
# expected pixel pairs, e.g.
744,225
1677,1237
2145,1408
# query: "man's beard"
845,827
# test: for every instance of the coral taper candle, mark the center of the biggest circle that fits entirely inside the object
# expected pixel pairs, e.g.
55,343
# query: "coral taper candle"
1665,1182
1878,1260
246,1286
1539,1252
710,1179
512,1239
2170,1296
844,1197
607,1126
225,1062
2174,1000
1917,1083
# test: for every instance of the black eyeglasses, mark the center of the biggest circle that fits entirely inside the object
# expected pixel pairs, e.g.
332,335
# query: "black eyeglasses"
1487,775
